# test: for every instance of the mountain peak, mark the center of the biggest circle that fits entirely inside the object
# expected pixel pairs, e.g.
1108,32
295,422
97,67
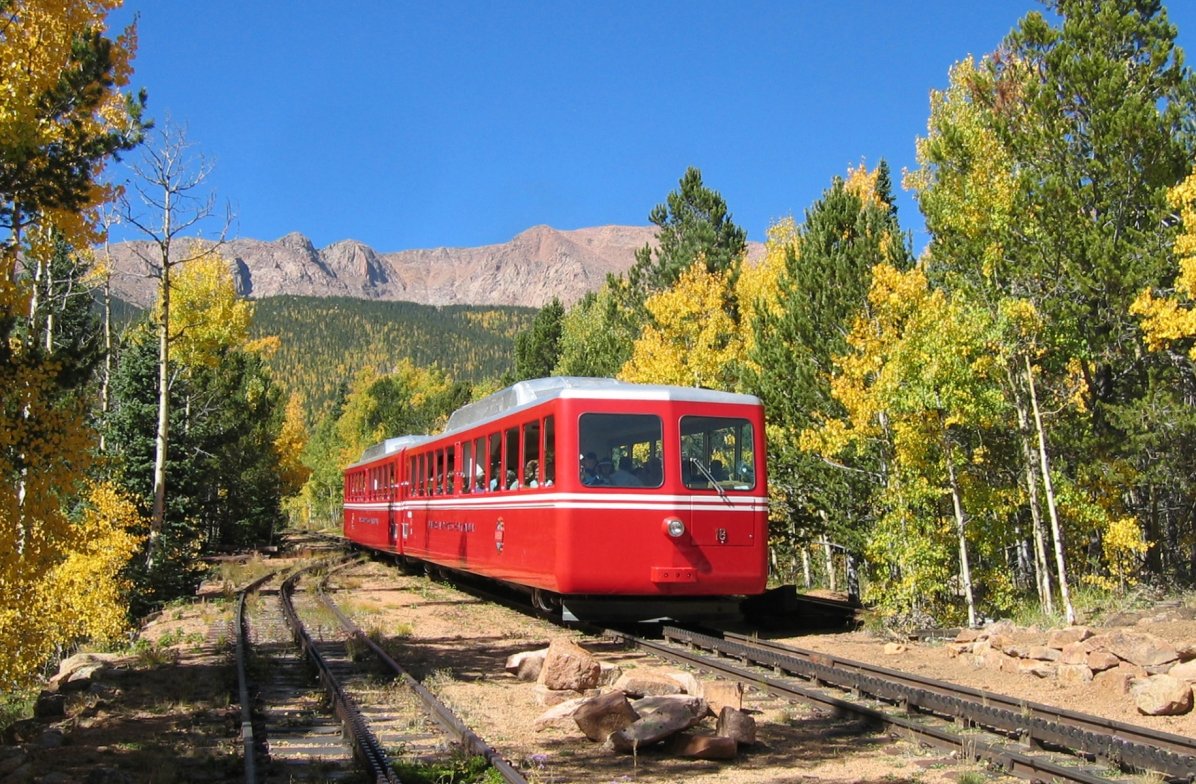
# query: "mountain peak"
536,265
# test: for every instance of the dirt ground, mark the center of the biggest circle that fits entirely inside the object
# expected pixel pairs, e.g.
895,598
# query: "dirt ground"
122,730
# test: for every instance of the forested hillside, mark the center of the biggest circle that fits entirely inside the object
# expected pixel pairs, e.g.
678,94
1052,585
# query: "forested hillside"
325,341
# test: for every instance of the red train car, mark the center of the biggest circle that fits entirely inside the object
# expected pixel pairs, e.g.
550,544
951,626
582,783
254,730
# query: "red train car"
603,497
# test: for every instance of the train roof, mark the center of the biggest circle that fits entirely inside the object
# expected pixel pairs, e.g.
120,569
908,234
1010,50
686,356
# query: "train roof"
389,446
539,390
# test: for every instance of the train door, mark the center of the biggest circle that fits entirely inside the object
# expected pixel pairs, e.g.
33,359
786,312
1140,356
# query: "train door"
718,464
392,506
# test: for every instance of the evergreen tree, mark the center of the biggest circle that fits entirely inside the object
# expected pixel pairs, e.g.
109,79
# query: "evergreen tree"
694,223
538,349
822,289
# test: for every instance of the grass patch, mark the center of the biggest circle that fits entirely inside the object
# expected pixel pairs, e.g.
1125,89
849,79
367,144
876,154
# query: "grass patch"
16,705
457,770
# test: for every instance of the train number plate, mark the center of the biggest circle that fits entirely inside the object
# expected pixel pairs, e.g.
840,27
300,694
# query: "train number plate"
674,574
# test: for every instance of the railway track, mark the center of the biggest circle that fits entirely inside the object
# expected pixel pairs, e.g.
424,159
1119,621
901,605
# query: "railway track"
377,711
1029,740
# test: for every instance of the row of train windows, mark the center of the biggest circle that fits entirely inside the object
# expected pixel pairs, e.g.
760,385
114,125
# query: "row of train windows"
618,450
518,457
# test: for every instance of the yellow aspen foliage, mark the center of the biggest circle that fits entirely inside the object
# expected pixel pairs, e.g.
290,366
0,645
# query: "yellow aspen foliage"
292,438
206,314
758,289
691,340
1166,320
37,47
1124,547
85,594
967,180
894,298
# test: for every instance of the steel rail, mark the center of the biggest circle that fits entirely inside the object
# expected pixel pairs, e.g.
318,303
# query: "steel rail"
442,713
1119,743
248,742
369,752
971,746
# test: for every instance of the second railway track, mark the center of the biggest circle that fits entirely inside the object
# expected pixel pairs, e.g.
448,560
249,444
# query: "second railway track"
370,712
1026,739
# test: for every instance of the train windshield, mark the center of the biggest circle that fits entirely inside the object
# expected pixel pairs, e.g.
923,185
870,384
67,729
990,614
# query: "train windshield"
717,452
620,450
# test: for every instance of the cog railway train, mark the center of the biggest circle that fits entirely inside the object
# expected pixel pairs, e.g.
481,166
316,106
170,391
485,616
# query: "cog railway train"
601,499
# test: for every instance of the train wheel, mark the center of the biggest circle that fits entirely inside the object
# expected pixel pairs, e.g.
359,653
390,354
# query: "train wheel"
546,603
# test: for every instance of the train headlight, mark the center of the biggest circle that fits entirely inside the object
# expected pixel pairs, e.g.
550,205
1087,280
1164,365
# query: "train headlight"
674,527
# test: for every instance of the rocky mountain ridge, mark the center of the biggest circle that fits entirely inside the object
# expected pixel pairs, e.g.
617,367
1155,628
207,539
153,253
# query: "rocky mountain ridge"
537,265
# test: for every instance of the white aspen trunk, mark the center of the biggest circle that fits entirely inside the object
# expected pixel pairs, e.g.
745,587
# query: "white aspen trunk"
1042,571
965,571
1056,530
829,554
35,302
805,568
106,380
49,310
158,516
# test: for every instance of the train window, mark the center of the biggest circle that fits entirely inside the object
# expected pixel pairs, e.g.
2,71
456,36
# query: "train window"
511,463
479,464
467,467
450,470
620,450
718,451
494,481
531,454
548,465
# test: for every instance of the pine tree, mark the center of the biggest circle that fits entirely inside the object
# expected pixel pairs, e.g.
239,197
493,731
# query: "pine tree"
823,288
538,349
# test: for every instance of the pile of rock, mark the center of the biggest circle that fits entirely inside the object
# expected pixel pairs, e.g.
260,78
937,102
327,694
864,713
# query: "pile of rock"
631,711
1158,675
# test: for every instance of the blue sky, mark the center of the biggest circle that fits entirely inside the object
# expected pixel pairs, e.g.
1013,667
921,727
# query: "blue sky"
418,125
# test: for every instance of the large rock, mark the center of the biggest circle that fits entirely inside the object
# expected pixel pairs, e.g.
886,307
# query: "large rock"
689,683
1061,638
1074,674
645,682
705,747
667,720
1140,648
1043,653
549,697
526,665
722,694
970,635
1162,695
610,674
1184,671
1118,679
560,715
697,706
597,718
75,673
1074,652
569,666
1039,669
1099,661
737,725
